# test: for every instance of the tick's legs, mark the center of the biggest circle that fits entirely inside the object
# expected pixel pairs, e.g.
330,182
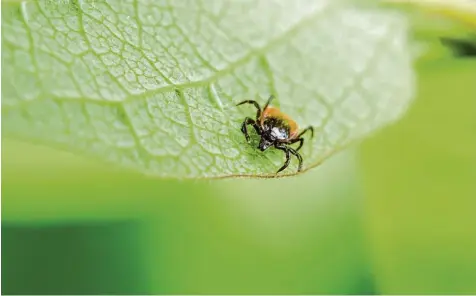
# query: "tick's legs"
309,128
299,137
288,157
258,112
271,97
244,129
289,151
301,140
298,157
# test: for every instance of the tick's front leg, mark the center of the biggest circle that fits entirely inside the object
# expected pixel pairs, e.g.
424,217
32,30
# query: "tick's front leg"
271,97
309,128
288,157
298,156
244,128
300,139
301,142
254,103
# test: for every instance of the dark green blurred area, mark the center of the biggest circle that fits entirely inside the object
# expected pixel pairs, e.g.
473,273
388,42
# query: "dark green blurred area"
86,258
395,215
297,235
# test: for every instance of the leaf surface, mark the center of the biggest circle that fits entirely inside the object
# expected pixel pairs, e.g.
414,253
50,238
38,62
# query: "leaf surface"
153,85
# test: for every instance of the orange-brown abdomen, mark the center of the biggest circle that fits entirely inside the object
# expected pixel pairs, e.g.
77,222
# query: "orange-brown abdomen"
272,112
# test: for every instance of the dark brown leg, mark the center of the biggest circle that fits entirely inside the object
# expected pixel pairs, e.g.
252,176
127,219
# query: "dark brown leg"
298,157
309,128
244,128
289,150
258,112
271,97
299,137
288,157
301,142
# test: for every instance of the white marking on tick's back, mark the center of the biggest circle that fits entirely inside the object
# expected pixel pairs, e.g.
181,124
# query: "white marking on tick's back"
278,133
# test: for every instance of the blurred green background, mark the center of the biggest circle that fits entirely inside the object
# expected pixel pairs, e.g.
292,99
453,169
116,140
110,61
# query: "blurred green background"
394,215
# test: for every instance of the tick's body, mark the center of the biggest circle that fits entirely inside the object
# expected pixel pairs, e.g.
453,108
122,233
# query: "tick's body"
276,129
279,125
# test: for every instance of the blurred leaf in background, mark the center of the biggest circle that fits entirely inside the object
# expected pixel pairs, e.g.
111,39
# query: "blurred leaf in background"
420,185
419,175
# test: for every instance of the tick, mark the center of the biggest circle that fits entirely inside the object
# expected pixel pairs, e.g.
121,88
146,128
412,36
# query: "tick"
275,129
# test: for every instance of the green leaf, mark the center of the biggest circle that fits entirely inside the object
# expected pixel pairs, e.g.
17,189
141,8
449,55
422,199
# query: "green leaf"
153,86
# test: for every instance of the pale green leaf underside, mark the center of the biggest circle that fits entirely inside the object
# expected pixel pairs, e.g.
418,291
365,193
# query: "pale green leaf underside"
99,78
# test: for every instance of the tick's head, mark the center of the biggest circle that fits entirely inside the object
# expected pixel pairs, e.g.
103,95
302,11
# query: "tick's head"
264,144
